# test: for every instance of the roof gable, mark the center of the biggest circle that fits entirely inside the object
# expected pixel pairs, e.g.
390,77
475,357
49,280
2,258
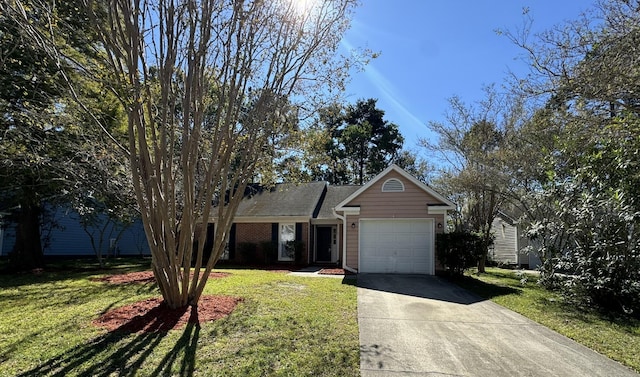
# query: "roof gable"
442,202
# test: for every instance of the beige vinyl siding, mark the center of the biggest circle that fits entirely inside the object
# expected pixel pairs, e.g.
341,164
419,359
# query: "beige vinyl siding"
375,204
352,241
412,203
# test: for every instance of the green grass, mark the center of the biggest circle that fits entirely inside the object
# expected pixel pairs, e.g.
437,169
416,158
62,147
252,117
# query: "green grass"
615,336
286,326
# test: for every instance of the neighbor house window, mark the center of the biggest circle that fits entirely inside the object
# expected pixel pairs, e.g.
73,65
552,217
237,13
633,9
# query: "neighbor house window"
286,242
392,185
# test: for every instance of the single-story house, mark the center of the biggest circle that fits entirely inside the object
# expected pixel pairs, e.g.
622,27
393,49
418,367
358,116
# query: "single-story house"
510,243
385,226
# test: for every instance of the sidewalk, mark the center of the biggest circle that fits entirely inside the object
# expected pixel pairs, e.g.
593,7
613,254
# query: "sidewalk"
314,271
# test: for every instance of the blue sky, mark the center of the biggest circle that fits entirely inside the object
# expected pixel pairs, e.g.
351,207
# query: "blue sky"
432,50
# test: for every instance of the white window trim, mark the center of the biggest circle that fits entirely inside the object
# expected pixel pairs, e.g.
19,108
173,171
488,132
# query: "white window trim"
282,258
225,252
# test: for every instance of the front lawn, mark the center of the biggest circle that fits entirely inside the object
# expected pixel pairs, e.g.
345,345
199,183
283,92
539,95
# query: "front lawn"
286,326
615,336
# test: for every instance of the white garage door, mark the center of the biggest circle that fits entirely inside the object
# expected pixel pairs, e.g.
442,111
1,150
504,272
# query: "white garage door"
397,246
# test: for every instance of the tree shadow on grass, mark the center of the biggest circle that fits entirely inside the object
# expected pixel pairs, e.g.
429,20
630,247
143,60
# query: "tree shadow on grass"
481,288
187,342
119,352
68,269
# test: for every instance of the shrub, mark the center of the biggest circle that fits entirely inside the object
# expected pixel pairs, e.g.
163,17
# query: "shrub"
247,252
298,249
458,251
270,251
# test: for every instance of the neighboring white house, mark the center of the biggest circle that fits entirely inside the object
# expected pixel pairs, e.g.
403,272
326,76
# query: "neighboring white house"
509,243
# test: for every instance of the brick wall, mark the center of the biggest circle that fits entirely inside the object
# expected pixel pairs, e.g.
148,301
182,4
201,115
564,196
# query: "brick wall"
258,233
255,233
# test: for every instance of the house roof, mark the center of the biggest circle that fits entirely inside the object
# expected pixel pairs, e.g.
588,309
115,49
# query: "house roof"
284,199
334,195
444,202
314,200
509,218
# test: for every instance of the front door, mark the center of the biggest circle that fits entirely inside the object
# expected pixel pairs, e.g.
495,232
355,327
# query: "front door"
323,244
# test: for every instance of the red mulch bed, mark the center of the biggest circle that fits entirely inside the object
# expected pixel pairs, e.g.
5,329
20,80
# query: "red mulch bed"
334,271
144,277
153,315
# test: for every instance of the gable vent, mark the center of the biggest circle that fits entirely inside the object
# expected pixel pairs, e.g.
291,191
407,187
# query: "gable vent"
392,185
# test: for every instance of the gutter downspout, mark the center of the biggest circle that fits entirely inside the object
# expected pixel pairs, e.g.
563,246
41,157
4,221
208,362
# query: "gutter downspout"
344,241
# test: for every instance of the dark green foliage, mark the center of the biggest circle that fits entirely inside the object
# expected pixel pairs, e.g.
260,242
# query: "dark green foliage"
458,251
270,251
353,143
33,141
298,249
598,206
50,152
247,252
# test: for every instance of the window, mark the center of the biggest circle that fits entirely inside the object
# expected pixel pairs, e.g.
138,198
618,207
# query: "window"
392,185
225,253
286,242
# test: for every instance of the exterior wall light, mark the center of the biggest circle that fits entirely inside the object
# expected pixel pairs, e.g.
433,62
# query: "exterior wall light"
353,225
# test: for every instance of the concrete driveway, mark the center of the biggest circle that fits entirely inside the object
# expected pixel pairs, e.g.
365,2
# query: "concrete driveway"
424,326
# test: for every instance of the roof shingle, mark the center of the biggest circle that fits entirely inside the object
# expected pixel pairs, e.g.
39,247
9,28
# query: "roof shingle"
284,199
335,194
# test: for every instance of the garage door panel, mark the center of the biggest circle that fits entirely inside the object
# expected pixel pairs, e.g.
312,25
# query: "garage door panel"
397,246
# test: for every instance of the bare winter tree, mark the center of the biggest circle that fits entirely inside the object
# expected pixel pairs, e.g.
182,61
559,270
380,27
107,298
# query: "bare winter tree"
206,85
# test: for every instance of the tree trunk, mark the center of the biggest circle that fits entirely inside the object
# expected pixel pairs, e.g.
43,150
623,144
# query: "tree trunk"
482,263
486,241
27,251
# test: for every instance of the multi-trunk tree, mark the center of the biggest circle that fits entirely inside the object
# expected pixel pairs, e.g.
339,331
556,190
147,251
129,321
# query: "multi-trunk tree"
206,85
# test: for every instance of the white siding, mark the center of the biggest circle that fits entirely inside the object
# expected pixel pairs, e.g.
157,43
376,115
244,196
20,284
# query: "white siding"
505,245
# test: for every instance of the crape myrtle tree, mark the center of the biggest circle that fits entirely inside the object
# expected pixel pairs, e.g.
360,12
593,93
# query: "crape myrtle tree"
205,85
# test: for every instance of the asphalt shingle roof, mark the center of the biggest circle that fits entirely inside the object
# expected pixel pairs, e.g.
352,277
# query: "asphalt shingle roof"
335,194
285,199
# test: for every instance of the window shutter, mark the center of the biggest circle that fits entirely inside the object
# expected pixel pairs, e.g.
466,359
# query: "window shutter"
298,231
232,242
208,242
274,233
